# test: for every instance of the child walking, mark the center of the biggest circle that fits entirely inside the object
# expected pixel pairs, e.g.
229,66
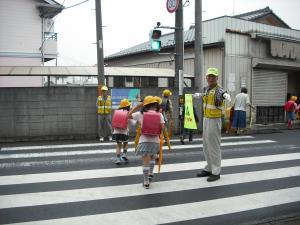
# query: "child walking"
120,131
152,124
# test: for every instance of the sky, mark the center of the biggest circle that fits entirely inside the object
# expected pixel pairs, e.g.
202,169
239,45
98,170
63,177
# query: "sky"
128,22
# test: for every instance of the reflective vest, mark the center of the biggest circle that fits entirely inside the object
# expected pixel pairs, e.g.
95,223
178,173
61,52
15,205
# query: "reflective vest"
104,105
209,105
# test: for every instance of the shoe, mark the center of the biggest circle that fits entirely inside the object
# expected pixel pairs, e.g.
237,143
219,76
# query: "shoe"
101,139
204,173
118,161
124,156
213,177
146,186
150,177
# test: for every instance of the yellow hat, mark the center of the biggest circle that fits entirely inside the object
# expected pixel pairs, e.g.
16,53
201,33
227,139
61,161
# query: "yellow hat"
124,103
158,99
149,99
294,98
104,88
212,71
167,92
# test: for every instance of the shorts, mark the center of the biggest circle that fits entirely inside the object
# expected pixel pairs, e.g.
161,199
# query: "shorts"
291,116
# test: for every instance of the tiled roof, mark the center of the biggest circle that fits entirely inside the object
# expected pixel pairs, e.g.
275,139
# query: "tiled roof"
252,16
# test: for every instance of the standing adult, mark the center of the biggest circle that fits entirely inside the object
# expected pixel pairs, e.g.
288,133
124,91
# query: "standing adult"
291,109
241,101
167,111
103,106
213,104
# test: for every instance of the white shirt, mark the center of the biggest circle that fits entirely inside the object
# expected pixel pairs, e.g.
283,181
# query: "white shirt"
241,101
139,117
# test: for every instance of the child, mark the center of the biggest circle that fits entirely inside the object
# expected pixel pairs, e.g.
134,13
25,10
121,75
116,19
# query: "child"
121,135
149,142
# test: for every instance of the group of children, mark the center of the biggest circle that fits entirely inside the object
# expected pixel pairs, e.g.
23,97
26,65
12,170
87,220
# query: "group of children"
151,121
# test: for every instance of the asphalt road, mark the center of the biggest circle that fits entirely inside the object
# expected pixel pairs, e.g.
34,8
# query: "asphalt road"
76,182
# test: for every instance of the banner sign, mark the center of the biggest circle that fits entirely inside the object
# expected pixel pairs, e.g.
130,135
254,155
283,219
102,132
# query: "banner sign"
118,94
189,118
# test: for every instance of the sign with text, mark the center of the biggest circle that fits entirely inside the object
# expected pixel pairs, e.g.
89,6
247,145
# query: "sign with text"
118,94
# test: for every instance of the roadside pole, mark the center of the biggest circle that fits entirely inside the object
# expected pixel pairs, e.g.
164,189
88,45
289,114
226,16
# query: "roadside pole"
198,63
100,59
179,54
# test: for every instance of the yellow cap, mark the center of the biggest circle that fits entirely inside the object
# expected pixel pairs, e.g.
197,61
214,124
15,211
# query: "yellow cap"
124,103
104,88
149,99
212,71
167,92
158,99
294,98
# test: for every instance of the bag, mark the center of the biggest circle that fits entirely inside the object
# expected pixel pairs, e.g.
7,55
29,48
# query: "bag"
151,123
120,119
289,106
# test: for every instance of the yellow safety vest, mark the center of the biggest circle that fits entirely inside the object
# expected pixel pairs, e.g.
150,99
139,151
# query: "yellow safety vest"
104,106
209,107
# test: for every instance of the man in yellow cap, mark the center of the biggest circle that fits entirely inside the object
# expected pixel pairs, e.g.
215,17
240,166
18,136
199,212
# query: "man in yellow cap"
103,106
167,110
213,103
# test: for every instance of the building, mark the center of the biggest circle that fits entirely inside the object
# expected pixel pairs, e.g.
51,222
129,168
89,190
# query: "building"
257,50
27,37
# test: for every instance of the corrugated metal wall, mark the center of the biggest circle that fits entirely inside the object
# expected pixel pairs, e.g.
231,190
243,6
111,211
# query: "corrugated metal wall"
269,87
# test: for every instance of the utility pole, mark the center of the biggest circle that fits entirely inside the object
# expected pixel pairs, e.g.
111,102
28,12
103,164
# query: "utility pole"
179,58
100,60
198,63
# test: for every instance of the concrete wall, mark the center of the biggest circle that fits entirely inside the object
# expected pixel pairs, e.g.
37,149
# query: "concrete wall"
47,113
55,113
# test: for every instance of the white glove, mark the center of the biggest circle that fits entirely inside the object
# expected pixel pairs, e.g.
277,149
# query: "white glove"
197,95
227,97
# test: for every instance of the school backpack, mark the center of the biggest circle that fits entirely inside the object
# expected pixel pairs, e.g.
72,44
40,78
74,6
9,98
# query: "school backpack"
151,124
120,119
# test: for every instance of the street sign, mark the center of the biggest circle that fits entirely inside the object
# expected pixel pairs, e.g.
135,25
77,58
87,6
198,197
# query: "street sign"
172,5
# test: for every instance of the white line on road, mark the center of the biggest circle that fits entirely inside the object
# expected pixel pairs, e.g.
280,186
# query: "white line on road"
98,144
89,194
183,212
101,173
104,151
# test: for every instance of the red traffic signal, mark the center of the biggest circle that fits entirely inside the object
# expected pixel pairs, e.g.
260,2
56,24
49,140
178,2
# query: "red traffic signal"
156,34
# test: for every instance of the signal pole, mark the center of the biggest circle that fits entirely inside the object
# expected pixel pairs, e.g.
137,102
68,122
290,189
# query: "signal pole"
198,63
100,59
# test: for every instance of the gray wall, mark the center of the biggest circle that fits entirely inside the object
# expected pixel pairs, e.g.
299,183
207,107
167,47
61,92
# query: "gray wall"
47,113
55,113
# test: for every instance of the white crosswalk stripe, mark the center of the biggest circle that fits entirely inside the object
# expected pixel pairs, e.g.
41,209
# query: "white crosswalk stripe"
266,178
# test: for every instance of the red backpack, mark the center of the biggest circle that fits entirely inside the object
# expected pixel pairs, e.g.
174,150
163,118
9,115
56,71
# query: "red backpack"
151,123
120,119
289,106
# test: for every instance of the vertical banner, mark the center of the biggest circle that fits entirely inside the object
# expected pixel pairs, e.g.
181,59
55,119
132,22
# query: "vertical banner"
189,118
132,94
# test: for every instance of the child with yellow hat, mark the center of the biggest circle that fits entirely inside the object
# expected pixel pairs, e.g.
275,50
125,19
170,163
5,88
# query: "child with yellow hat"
121,131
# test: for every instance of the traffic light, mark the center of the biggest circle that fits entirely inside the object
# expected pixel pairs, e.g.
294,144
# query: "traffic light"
155,42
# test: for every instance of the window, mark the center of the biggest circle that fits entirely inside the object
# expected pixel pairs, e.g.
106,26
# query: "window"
153,81
119,81
136,81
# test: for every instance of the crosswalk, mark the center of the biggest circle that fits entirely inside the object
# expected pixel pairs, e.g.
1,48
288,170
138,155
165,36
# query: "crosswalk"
80,184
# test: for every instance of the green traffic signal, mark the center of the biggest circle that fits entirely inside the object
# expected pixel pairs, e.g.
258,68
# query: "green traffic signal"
155,45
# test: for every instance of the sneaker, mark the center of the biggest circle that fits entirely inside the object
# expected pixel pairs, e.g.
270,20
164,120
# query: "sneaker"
146,186
101,139
213,177
124,156
118,160
182,140
204,173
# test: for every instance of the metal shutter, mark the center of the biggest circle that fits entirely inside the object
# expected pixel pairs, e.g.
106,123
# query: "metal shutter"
269,87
